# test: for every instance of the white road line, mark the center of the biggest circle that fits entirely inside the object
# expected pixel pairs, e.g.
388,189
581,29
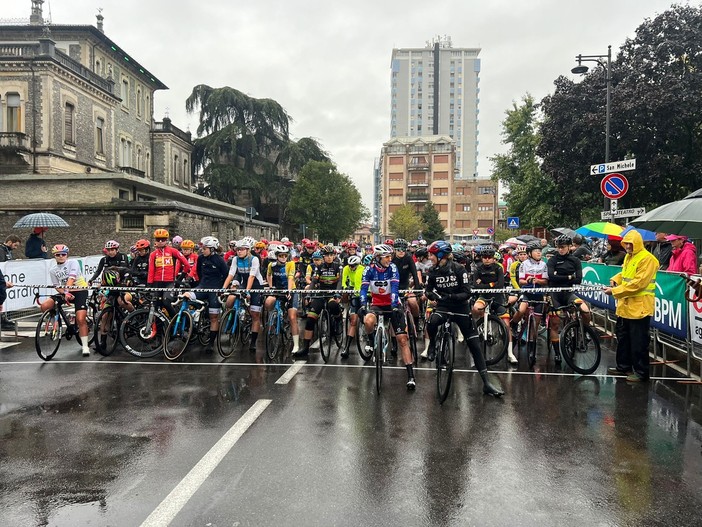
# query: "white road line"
288,375
179,496
8,344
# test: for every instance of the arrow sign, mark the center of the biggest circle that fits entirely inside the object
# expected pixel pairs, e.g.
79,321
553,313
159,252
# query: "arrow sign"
614,186
616,166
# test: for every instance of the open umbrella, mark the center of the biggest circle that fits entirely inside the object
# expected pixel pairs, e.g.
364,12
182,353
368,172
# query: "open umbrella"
526,238
600,229
514,241
563,230
648,236
678,217
40,219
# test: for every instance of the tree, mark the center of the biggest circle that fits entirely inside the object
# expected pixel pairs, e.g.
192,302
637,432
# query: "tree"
530,195
326,201
433,228
404,223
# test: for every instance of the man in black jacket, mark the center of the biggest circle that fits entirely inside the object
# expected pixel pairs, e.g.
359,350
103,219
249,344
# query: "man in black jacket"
11,244
663,250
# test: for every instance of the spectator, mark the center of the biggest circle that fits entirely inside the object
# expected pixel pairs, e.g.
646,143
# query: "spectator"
11,243
580,250
663,250
684,257
614,255
36,246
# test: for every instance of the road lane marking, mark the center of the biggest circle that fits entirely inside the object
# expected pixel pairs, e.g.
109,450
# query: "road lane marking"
4,345
179,496
288,375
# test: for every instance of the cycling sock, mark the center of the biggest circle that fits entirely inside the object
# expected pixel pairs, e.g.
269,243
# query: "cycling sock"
348,343
213,336
296,342
410,371
254,338
306,344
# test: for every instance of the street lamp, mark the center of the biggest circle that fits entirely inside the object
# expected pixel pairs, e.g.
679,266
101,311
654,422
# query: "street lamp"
581,69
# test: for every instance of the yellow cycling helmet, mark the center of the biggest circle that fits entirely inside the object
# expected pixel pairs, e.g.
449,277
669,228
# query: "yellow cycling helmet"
187,244
161,233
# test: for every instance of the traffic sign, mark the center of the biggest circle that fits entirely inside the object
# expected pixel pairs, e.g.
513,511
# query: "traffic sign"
623,213
613,205
490,230
513,222
615,166
475,231
614,186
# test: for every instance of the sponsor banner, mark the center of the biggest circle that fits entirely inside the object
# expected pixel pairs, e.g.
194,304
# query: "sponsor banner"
671,312
696,318
31,272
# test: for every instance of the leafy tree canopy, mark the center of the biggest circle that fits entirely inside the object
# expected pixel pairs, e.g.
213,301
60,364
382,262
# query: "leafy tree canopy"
405,223
433,228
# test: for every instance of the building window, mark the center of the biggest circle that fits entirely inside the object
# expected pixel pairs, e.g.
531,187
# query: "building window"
396,176
486,190
186,173
440,191
484,224
68,124
462,207
13,113
459,191
125,152
395,192
176,175
463,224
138,102
396,161
441,159
125,93
441,207
123,194
100,136
484,207
139,159
441,175
147,107
147,168
132,223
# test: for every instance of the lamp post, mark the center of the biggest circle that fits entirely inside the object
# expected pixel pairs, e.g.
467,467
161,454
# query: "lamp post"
581,69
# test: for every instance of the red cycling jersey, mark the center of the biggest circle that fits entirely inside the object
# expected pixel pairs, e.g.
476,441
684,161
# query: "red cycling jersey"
163,264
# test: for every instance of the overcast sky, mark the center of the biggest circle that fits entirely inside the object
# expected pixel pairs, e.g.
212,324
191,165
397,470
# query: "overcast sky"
328,63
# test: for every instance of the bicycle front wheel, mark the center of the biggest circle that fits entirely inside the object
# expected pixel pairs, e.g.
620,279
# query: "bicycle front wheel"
325,338
580,347
141,338
273,335
412,338
178,335
379,358
444,366
105,331
228,334
47,337
532,337
493,339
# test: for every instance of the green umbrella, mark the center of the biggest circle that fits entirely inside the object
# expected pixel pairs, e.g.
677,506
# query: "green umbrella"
678,217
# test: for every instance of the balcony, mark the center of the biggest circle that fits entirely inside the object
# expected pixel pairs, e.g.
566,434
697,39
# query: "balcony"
418,165
14,141
414,198
418,183
132,171
166,126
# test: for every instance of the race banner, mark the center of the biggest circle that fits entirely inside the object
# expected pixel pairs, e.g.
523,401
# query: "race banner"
696,318
671,312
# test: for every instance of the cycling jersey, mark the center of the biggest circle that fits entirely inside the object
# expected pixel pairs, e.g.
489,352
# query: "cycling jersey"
450,282
488,276
192,260
383,284
60,274
407,269
280,274
424,267
163,264
242,268
327,276
352,279
564,270
140,268
531,268
212,272
118,260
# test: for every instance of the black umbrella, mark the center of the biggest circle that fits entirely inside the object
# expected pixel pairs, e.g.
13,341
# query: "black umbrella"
563,230
40,219
526,238
682,217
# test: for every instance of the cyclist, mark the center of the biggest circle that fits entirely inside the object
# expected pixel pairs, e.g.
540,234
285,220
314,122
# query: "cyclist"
212,271
65,274
140,263
382,280
281,276
351,250
304,261
532,273
564,270
408,270
164,263
259,250
448,288
317,260
245,272
231,253
351,279
176,241
112,258
489,275
187,249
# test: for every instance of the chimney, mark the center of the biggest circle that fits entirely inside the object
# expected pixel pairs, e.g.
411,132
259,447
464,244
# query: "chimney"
100,18
37,18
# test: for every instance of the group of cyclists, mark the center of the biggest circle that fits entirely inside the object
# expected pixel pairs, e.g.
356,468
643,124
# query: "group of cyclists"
435,280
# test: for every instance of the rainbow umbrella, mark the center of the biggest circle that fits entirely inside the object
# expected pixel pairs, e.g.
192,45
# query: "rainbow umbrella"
600,229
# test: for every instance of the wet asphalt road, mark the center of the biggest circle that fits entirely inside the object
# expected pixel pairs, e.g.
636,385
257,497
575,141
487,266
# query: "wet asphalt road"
103,441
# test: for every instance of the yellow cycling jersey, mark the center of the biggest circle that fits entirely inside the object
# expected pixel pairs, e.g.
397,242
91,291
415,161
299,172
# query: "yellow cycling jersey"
352,279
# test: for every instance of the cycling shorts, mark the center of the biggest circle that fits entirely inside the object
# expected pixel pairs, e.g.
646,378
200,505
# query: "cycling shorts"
397,318
564,298
212,299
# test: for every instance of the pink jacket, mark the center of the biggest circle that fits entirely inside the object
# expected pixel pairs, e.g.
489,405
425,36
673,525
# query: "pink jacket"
684,260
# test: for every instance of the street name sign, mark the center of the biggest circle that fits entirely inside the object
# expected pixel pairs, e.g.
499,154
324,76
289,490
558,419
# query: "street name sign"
615,166
623,213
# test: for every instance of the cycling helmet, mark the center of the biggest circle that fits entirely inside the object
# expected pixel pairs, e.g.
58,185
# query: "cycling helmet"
456,247
532,246
328,249
265,241
142,244
487,252
414,242
317,255
243,244
110,278
59,248
305,241
390,242
401,244
259,246
278,248
367,260
176,240
563,239
232,243
460,256
187,244
111,244
161,233
440,248
133,249
421,252
423,242
353,245
249,241
354,260
382,250
210,242
344,244
288,243
521,249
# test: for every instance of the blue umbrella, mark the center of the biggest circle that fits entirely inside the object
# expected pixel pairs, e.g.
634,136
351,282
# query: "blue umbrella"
648,236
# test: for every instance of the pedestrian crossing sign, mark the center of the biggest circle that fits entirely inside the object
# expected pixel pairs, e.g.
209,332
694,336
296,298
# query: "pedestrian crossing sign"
513,222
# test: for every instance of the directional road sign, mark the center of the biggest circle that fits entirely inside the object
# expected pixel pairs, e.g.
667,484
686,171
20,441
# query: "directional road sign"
614,186
623,213
513,222
615,166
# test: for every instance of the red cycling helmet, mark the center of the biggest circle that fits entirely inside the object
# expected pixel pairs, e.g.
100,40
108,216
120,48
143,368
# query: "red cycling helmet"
389,241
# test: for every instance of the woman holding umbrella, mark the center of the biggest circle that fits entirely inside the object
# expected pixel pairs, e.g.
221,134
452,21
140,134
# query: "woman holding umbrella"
36,246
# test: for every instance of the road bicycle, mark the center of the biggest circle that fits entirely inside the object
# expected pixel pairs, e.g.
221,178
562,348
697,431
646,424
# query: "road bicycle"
181,327
360,337
278,331
106,332
579,342
234,326
143,330
492,331
54,325
330,330
529,333
445,346
381,347
412,332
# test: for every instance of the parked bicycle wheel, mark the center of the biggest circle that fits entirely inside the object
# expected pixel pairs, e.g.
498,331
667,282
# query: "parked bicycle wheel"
444,366
580,347
493,338
141,339
325,335
47,337
274,334
106,343
229,333
178,333
379,359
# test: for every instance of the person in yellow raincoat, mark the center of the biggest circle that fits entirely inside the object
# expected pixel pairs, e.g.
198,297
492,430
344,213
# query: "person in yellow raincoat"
634,289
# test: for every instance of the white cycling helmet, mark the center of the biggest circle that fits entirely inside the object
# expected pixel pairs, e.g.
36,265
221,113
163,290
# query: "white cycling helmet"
354,260
278,248
210,241
243,243
249,240
382,250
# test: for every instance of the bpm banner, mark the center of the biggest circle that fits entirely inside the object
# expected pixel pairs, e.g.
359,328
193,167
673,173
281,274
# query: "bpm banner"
671,315
35,272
